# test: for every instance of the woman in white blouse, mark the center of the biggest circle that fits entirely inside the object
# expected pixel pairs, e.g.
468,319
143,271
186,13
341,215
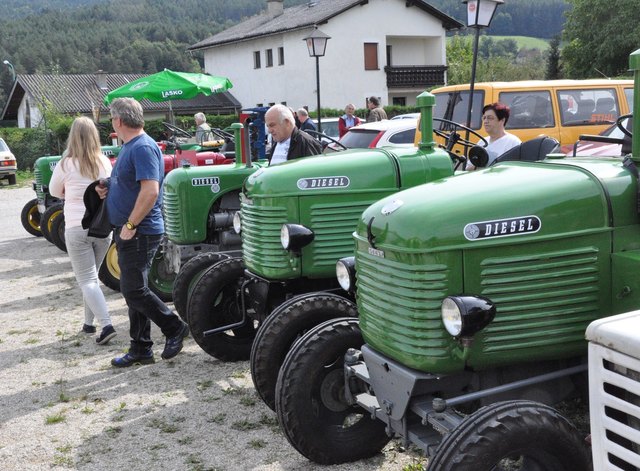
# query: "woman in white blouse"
81,164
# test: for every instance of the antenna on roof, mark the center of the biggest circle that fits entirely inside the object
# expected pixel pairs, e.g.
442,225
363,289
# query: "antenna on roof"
608,78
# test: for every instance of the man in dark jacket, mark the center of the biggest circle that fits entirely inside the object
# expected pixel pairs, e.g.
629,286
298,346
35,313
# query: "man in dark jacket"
288,142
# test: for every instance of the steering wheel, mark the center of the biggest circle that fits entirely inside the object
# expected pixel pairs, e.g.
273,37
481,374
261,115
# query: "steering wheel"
452,137
178,132
624,130
320,136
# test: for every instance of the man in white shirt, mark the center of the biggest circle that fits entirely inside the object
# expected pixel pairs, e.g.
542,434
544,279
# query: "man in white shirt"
494,119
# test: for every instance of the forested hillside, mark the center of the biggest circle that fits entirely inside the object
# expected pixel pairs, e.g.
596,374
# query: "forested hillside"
535,18
138,36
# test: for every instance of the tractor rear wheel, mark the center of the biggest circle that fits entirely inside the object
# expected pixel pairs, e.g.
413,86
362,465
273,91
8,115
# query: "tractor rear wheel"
109,272
512,435
47,218
57,232
30,218
214,303
183,283
279,331
310,398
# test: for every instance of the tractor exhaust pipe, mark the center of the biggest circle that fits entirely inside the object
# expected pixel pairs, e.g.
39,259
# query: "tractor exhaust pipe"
634,65
426,101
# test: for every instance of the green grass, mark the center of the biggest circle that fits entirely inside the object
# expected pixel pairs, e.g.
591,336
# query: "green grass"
522,41
525,41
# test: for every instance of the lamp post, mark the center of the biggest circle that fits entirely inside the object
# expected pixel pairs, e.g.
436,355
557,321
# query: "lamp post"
317,43
479,15
10,65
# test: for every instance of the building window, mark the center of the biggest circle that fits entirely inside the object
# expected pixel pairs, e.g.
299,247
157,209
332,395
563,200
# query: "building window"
371,56
399,101
281,56
256,59
269,57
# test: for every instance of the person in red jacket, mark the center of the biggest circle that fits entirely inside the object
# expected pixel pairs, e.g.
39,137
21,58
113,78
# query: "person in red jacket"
347,120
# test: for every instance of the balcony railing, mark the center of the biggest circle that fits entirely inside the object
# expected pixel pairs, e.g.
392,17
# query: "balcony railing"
415,76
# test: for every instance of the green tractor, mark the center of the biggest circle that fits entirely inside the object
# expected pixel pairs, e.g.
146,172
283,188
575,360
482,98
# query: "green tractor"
43,215
296,221
199,205
473,296
39,216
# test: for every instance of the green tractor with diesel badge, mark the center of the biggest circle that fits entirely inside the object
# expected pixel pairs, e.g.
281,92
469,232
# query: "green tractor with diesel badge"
199,205
296,221
473,296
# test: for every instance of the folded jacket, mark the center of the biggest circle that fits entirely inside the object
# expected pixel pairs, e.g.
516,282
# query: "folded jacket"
95,217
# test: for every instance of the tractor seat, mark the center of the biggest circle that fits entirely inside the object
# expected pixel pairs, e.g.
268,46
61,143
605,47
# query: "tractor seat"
529,151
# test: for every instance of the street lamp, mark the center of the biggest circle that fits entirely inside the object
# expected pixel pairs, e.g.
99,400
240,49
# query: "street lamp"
317,43
479,15
10,65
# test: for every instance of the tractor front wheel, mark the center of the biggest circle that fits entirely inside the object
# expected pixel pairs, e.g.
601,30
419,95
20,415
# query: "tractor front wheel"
161,276
214,303
30,218
279,331
184,281
48,217
57,232
512,435
109,272
310,398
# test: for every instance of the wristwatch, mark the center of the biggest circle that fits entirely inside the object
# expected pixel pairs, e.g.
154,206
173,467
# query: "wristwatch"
131,226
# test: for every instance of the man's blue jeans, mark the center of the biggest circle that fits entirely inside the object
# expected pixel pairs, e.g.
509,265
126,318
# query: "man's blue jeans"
135,257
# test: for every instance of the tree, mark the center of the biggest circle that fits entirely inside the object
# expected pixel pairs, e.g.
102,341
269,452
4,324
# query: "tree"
553,60
600,36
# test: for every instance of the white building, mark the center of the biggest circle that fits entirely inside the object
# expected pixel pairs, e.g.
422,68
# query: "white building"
392,49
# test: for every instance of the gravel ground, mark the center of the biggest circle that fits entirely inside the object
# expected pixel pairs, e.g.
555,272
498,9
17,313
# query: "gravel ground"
63,406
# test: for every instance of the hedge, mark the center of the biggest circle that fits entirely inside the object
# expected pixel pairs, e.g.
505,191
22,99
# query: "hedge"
28,144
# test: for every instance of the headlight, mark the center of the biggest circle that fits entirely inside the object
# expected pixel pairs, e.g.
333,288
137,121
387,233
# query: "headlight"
237,222
346,273
294,236
464,316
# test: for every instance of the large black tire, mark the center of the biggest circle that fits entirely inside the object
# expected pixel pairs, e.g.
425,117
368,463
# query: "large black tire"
214,303
109,272
513,435
183,283
46,221
30,218
287,323
161,277
12,179
310,402
57,232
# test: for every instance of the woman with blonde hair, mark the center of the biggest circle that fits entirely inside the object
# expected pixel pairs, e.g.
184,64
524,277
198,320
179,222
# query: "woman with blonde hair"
82,163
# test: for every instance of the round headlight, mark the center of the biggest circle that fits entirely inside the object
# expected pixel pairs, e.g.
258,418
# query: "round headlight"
342,273
451,317
237,222
284,236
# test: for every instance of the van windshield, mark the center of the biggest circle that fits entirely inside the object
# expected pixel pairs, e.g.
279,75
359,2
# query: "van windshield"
454,106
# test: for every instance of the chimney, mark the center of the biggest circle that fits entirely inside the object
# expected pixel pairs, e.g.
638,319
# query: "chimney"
101,80
275,8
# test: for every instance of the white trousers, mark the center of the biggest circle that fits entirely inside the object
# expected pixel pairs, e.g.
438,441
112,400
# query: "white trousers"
86,254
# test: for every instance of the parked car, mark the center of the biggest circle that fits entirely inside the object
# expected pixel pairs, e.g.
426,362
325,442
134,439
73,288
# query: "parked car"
562,109
407,116
8,165
329,127
399,132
